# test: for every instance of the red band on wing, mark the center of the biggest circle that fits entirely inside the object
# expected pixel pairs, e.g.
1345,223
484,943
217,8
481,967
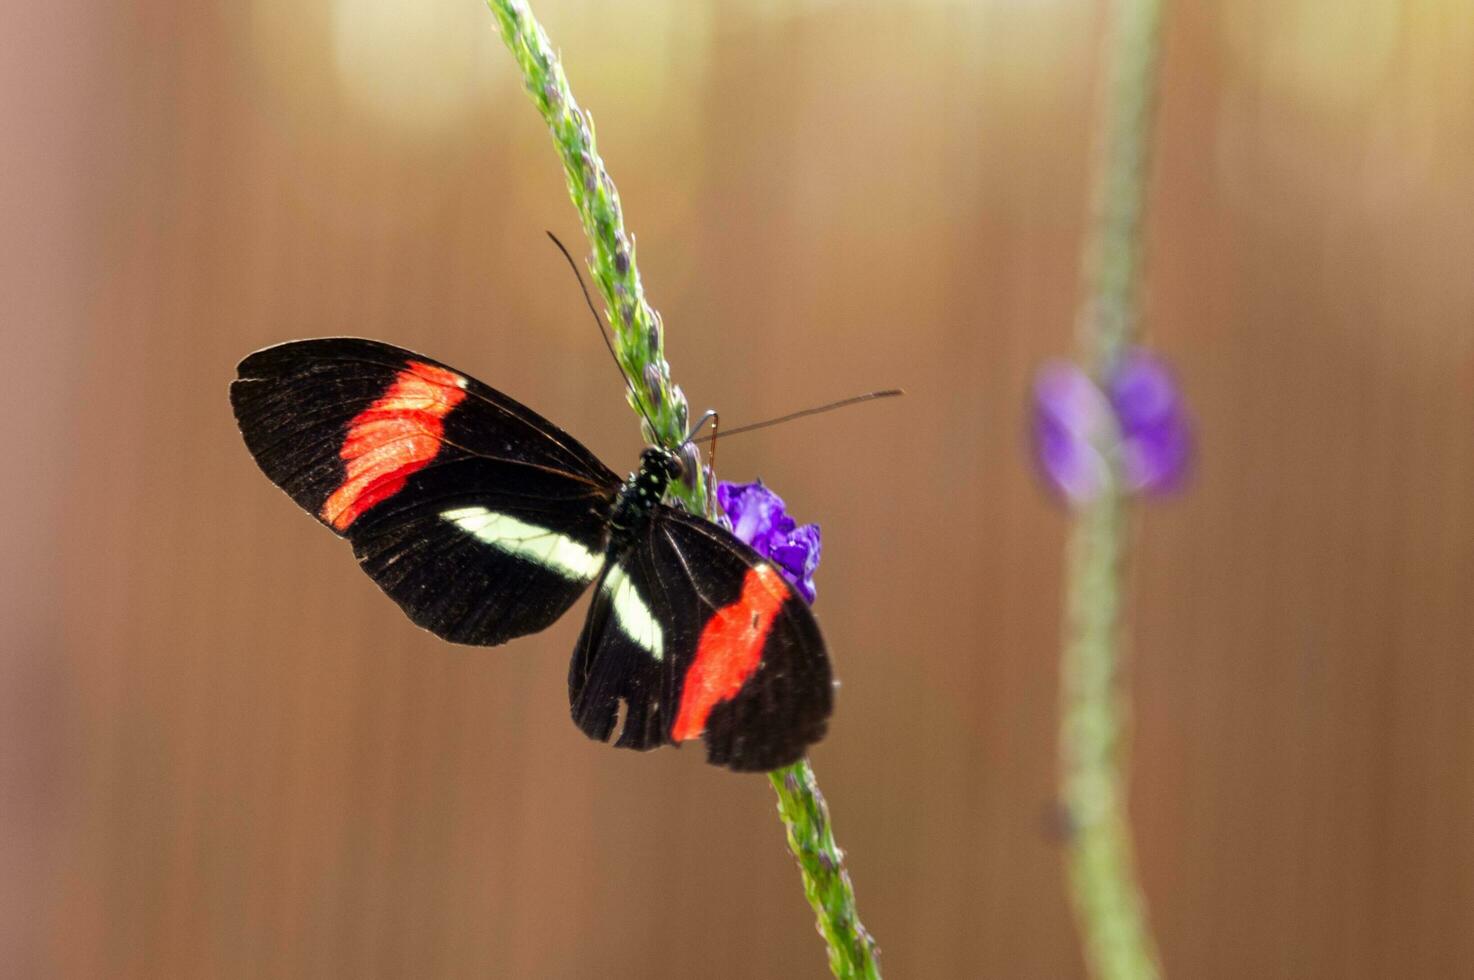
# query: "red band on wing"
730,649
393,438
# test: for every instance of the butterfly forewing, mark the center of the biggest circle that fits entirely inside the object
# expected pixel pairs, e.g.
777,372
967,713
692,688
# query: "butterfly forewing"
692,634
336,415
483,520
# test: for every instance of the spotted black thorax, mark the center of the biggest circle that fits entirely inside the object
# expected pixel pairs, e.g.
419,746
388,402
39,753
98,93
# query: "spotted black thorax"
639,495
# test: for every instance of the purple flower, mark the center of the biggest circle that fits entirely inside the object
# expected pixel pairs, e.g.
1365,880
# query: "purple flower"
1071,423
1137,426
756,516
1155,439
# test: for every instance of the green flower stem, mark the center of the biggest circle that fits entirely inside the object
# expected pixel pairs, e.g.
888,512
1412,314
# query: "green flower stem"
1113,253
1095,708
638,336
1101,862
852,950
639,345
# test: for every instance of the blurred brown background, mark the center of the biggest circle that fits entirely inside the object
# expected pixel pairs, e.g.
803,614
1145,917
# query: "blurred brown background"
224,754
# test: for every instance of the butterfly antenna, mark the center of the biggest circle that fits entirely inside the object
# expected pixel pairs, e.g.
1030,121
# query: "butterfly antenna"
869,396
604,333
711,454
710,415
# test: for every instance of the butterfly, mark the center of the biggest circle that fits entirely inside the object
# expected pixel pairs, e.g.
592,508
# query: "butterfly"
485,522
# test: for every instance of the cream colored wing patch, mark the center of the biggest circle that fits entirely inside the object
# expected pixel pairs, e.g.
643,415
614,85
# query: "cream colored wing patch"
633,613
542,546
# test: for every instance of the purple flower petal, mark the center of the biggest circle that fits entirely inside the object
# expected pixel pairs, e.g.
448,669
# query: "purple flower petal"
798,558
1156,440
1071,421
752,509
1142,391
756,515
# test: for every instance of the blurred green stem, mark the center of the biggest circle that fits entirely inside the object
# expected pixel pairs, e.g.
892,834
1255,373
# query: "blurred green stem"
639,343
1095,703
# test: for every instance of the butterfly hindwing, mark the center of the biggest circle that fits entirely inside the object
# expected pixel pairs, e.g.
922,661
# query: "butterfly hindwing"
692,634
483,566
483,520
620,662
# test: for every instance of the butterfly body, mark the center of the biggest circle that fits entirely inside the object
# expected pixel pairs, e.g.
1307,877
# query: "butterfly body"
640,495
486,522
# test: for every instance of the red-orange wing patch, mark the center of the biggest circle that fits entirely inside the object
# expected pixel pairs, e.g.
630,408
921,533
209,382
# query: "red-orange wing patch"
730,649
392,439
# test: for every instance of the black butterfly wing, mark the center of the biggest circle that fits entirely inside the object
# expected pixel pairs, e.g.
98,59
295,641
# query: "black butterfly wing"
693,634
482,519
482,566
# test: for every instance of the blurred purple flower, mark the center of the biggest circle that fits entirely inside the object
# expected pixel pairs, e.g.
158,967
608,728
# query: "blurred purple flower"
1138,420
757,516
1071,419
1156,441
